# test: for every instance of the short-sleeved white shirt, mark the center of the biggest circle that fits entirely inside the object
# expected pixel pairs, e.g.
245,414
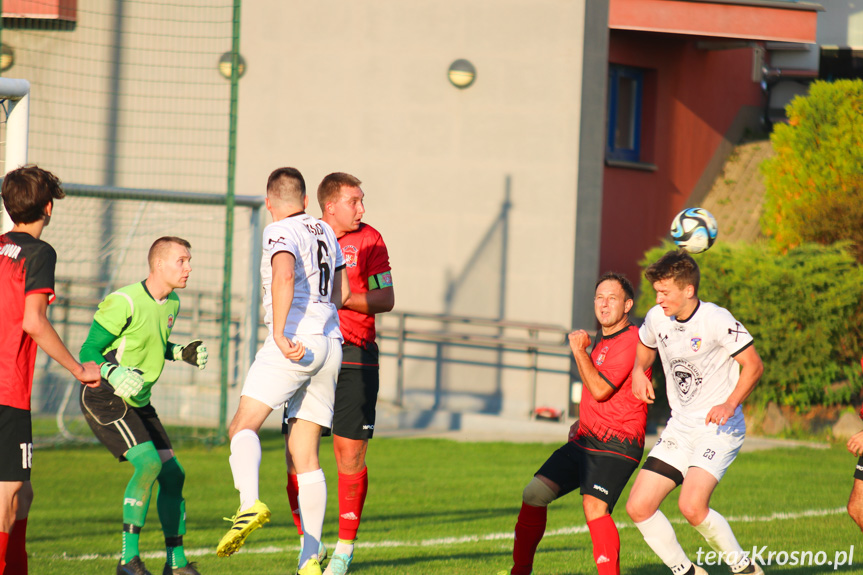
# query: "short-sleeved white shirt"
697,356
318,258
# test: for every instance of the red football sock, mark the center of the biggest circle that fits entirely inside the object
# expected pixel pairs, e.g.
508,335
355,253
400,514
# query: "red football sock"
16,553
352,498
4,541
606,545
529,530
293,493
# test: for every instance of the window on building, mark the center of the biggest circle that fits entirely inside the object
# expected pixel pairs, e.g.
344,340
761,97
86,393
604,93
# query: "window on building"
625,93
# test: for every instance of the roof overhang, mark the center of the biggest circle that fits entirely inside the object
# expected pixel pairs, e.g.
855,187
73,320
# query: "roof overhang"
767,20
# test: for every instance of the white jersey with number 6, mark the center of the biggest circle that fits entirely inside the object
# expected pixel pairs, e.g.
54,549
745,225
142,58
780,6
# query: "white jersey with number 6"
697,356
318,258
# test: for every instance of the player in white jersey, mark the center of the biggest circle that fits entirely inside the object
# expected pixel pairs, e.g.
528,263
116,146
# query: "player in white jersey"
710,366
304,281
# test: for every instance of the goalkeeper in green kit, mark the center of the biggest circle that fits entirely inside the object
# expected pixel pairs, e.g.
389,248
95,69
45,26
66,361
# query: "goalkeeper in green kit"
129,340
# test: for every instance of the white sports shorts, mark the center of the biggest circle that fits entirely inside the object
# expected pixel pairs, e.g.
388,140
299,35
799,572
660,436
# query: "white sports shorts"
687,442
309,384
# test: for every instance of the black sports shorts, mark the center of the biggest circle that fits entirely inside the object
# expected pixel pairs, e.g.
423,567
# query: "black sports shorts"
602,476
356,394
858,472
16,444
118,425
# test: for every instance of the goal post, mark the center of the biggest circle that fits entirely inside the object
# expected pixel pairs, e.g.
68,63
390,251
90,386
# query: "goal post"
15,94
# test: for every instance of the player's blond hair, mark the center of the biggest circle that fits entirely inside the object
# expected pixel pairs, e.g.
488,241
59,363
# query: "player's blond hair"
328,190
678,265
160,246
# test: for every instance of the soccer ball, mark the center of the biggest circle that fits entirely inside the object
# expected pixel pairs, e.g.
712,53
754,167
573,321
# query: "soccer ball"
694,230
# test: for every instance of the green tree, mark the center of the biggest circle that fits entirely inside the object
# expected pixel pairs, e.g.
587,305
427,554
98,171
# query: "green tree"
804,309
814,182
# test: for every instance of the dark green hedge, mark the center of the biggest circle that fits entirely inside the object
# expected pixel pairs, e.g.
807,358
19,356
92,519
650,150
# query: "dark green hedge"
804,309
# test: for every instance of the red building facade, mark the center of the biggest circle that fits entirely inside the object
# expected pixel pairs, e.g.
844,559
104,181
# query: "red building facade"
684,81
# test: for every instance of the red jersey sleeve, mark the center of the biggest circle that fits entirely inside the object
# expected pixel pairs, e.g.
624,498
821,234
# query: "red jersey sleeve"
378,259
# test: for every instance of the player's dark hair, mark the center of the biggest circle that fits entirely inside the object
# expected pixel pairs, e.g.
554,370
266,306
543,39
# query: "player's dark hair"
329,187
27,190
286,184
624,282
678,265
161,244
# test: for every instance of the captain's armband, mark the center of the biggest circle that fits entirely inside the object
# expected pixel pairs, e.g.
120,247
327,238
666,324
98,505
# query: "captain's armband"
381,280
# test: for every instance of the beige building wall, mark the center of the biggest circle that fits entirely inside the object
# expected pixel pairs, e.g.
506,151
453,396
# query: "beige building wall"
362,87
474,190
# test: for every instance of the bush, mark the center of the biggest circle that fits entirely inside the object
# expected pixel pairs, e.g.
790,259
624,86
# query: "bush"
804,308
814,182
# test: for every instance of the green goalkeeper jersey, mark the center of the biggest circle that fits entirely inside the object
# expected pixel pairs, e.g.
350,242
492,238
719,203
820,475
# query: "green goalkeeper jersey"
140,327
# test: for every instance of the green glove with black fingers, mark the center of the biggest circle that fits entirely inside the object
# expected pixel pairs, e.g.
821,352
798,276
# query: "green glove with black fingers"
127,382
194,353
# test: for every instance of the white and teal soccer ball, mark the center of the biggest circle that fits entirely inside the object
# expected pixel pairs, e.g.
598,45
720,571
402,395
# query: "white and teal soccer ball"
694,230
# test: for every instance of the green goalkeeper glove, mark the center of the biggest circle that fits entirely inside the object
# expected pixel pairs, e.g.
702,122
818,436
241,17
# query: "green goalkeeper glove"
126,382
193,353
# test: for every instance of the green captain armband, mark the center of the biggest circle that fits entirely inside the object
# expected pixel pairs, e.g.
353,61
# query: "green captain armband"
381,280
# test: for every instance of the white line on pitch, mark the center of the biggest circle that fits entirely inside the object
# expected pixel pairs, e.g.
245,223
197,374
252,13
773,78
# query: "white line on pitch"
446,541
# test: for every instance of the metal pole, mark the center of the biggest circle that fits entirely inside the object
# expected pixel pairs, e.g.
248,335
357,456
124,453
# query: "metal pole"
229,222
254,273
533,358
17,129
400,362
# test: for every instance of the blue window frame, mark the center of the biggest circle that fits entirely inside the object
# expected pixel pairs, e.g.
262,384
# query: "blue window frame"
625,90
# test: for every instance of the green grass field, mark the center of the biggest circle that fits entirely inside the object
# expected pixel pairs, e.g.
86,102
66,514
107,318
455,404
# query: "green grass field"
434,507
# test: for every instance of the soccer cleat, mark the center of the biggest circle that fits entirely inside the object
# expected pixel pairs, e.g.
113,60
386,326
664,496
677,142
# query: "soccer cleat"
339,564
698,570
507,572
753,569
244,522
312,567
322,552
189,569
133,567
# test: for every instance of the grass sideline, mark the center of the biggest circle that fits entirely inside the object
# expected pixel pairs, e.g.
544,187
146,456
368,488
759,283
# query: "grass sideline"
435,507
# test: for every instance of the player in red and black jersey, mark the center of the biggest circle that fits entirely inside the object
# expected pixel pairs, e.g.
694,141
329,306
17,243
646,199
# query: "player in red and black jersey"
26,288
605,445
855,446
368,267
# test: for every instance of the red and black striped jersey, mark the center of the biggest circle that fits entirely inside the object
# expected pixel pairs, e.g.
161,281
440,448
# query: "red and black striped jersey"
614,426
26,268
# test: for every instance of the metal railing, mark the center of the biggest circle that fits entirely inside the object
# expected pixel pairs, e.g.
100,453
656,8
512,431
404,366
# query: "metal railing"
535,341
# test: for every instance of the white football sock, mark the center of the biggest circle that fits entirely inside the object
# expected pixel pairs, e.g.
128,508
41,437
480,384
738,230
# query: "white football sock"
659,535
312,497
245,465
344,548
716,530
